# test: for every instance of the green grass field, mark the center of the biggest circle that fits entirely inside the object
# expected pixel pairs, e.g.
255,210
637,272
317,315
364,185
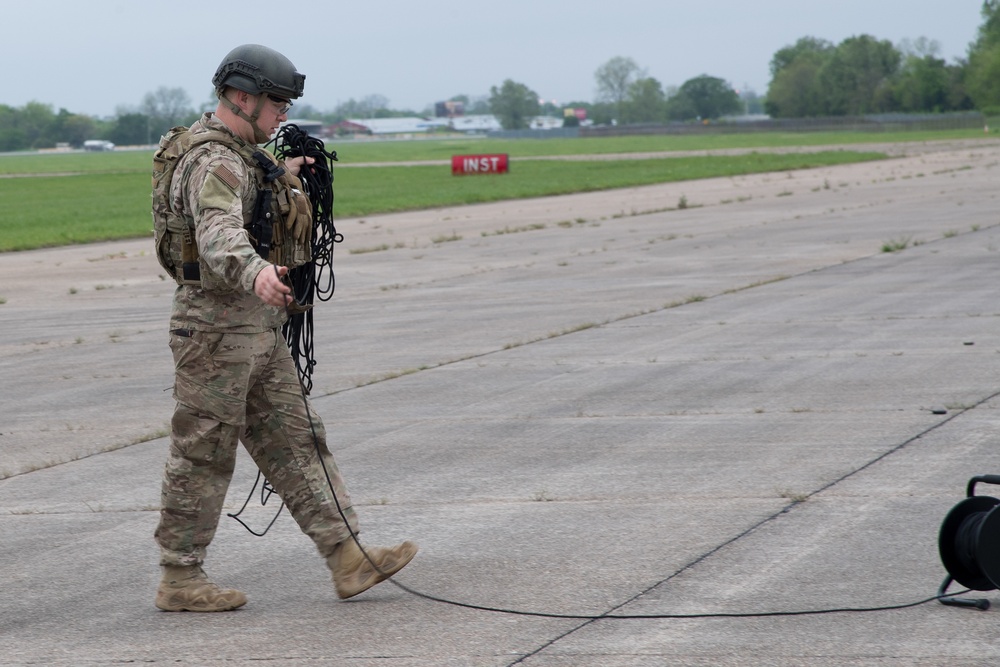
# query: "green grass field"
361,192
64,198
366,150
441,149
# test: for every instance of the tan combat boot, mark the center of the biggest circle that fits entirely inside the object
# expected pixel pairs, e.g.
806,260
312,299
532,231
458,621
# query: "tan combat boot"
187,588
353,574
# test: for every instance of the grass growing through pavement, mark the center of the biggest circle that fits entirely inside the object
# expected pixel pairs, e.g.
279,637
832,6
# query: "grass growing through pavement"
55,210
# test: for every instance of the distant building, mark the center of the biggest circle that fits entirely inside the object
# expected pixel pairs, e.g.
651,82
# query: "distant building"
98,145
478,123
349,127
475,124
545,123
314,128
382,126
449,109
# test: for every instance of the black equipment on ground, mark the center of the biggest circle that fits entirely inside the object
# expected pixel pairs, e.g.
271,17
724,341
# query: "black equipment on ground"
969,543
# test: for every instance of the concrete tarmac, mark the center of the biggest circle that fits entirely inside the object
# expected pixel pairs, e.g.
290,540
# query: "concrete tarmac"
694,401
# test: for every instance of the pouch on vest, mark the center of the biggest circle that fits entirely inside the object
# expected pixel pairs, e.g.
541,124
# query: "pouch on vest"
286,213
174,238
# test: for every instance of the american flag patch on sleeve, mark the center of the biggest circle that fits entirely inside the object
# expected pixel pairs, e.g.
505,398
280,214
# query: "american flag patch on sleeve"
226,176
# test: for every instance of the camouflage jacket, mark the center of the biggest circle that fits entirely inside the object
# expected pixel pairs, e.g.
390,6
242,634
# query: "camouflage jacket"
216,188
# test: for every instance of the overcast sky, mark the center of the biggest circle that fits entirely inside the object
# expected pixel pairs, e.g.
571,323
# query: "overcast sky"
94,56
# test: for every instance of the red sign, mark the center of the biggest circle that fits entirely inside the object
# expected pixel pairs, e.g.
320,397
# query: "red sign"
479,164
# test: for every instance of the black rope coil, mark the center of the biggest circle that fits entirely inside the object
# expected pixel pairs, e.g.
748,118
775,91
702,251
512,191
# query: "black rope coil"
315,279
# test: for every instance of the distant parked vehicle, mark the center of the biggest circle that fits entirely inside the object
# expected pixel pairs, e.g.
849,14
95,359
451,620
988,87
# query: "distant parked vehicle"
98,145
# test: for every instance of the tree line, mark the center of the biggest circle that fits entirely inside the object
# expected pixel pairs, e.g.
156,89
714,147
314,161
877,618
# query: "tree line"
863,75
810,78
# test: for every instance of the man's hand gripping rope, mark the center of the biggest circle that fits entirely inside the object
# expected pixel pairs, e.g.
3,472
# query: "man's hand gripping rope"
271,288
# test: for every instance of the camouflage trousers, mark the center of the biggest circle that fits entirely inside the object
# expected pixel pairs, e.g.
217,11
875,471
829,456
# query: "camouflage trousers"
230,388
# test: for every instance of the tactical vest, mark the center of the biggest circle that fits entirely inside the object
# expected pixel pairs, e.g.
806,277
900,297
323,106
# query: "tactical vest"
280,227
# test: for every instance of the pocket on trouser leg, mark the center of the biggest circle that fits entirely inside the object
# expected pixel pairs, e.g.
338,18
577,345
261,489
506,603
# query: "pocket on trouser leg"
202,439
211,372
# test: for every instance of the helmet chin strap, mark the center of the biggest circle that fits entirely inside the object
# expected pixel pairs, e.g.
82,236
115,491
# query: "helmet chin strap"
258,134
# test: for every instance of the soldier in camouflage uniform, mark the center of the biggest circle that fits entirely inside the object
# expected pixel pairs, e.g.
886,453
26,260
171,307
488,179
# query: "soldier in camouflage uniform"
235,379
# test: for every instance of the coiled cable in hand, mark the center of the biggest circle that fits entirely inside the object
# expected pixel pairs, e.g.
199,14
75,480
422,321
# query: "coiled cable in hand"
315,279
